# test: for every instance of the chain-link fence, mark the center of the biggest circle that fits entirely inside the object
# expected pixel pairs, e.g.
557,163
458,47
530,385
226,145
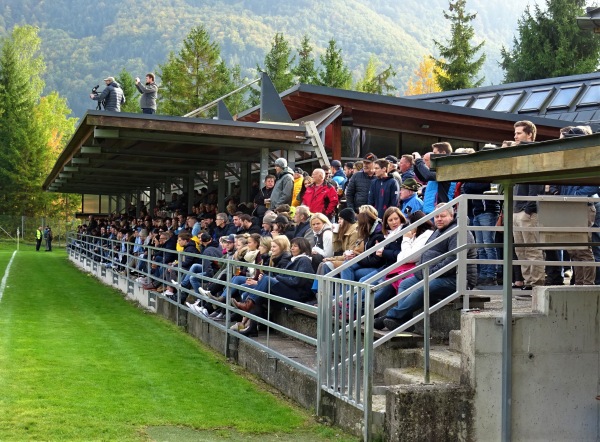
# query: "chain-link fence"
25,227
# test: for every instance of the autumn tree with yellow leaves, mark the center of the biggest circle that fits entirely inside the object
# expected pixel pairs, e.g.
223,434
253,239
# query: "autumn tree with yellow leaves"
424,79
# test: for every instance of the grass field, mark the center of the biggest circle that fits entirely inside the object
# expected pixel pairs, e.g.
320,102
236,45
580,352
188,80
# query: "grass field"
78,362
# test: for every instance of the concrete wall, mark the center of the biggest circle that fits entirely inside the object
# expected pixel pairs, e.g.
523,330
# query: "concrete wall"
556,367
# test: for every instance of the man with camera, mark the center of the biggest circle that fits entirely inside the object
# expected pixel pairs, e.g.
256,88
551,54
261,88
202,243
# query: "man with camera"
149,93
112,97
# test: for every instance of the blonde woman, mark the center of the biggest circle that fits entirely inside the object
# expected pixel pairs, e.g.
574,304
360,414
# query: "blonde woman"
321,227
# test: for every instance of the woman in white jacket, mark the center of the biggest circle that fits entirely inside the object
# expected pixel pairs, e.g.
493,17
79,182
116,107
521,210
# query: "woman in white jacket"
412,246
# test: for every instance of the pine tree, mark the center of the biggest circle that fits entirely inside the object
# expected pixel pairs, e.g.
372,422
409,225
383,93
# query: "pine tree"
305,70
549,44
32,130
193,77
334,72
132,95
457,57
374,83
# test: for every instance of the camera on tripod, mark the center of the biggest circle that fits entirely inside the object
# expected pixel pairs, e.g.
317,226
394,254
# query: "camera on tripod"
100,103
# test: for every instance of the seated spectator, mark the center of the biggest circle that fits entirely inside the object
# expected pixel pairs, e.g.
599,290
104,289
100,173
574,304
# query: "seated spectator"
323,247
282,226
439,287
409,201
369,231
247,225
413,241
285,286
302,229
184,239
344,240
267,224
222,227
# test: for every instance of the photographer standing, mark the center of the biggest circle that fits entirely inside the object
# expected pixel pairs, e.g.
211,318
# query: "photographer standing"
149,93
112,96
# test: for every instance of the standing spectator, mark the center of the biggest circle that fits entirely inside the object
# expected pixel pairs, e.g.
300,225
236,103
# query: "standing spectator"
436,192
410,202
262,198
284,186
483,213
407,167
39,234
393,169
338,174
357,191
525,215
320,196
112,97
384,189
298,179
48,236
149,93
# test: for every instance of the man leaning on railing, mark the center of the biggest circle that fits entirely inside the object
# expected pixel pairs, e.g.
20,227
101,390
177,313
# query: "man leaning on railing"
439,287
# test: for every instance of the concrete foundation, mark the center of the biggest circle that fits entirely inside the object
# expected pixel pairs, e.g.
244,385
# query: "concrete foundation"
555,367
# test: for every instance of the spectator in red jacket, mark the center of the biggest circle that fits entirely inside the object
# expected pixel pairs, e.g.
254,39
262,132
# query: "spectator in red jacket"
320,196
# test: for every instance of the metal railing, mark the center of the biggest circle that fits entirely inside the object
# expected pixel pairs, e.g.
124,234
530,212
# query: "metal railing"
345,311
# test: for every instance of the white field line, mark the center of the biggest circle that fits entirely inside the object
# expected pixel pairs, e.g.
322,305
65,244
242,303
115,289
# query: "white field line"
5,277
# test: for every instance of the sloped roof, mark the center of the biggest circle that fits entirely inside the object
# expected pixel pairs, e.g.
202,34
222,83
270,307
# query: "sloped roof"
572,99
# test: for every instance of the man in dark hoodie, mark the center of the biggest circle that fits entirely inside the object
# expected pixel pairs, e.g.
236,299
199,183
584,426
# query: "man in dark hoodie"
112,96
384,189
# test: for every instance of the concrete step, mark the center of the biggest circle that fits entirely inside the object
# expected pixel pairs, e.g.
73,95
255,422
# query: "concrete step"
411,375
455,341
443,362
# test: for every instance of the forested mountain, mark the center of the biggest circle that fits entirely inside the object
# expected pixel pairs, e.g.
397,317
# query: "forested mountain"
84,40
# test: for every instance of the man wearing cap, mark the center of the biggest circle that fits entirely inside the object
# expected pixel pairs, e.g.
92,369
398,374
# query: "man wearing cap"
410,202
393,169
284,185
149,93
338,174
112,96
357,191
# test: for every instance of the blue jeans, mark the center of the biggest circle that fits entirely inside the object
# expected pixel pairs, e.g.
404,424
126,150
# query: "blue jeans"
439,288
486,219
355,272
262,286
384,294
239,279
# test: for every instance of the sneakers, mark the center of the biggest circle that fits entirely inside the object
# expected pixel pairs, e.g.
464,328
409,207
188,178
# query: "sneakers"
204,292
175,283
378,324
238,326
198,309
391,323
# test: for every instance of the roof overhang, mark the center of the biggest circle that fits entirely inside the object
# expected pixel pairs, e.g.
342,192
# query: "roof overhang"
407,115
568,161
117,152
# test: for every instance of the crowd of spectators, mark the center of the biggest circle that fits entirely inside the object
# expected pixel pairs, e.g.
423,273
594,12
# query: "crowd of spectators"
311,223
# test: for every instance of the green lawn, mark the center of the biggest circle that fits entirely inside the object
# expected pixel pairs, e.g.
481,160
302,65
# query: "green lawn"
78,362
